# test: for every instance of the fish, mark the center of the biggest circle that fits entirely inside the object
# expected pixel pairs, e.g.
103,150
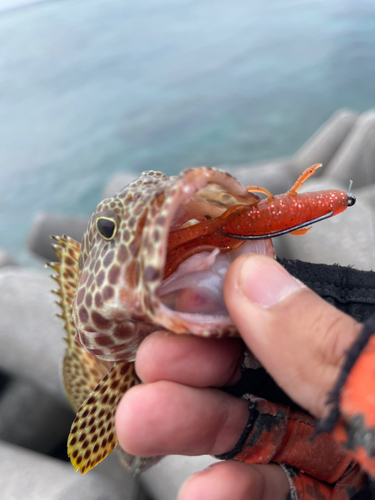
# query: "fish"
154,257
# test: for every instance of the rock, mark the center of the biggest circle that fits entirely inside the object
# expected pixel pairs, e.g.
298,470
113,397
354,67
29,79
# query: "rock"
277,176
346,239
6,259
323,145
165,479
31,337
41,422
117,182
366,196
112,470
44,225
356,156
26,474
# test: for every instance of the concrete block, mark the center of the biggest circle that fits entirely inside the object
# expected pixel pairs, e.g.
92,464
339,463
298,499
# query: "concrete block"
31,337
126,485
117,182
25,474
165,479
346,239
44,225
32,418
366,196
277,176
323,145
355,159
6,259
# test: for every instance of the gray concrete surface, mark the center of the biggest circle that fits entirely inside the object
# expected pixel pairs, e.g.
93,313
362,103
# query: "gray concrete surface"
277,176
323,145
6,259
32,476
165,479
355,158
31,337
41,422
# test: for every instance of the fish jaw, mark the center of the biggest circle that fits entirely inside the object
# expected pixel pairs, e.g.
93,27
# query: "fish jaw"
117,302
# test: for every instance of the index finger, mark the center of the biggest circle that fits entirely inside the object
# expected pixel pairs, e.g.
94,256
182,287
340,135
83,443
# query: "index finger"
189,360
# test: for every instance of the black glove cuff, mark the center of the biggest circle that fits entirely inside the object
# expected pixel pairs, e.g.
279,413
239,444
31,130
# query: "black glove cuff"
350,290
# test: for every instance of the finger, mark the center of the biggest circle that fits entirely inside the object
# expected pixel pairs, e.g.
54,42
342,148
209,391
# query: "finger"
167,418
237,481
189,360
297,336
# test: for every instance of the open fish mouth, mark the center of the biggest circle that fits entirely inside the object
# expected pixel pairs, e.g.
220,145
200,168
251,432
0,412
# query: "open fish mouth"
191,298
196,287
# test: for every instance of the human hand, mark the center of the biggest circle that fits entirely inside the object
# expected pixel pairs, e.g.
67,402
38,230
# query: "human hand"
178,411
298,337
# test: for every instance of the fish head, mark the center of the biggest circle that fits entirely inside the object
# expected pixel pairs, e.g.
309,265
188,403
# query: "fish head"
121,296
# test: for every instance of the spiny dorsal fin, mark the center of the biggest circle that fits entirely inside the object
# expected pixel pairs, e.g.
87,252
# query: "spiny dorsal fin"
67,277
81,371
92,436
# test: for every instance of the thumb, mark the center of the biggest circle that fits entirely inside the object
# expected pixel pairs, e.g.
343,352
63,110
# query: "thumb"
297,336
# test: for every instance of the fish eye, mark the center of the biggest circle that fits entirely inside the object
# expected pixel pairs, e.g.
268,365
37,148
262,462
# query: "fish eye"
106,227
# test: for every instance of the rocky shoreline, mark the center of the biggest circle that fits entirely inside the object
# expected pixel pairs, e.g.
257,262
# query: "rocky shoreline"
34,414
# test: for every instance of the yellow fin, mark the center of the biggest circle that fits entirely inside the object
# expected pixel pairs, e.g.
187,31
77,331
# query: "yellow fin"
67,251
81,374
92,436
81,371
300,232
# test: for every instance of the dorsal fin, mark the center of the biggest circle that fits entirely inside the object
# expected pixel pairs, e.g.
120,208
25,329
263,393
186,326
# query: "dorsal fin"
81,371
67,269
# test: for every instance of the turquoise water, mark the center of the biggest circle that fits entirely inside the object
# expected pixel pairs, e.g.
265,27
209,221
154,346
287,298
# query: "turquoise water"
89,88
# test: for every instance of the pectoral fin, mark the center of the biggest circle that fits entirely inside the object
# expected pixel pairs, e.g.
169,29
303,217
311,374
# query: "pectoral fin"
92,436
82,372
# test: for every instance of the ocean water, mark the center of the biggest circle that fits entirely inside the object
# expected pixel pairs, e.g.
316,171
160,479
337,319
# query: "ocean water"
89,88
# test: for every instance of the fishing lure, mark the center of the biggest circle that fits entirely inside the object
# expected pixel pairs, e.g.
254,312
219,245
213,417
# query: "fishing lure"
291,212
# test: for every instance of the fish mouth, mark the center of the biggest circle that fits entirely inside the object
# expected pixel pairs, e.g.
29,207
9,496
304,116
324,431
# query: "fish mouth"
191,298
196,287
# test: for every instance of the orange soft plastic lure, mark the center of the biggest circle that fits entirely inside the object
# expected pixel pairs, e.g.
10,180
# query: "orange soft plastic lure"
291,212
